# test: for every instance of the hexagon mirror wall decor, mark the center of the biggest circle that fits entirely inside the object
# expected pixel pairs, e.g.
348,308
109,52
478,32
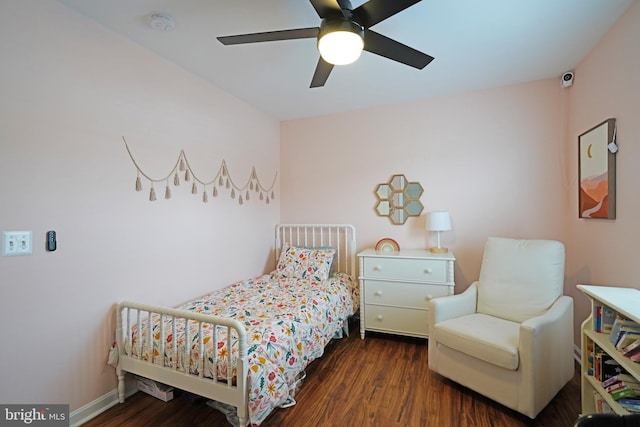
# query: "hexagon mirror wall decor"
398,199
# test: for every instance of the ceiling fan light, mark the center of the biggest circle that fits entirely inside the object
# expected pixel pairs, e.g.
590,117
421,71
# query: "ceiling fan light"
340,42
340,47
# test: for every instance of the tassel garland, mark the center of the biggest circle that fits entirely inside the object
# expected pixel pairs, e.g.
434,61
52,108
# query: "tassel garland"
223,178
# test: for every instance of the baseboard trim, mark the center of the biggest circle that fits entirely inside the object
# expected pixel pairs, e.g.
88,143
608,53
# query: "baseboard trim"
98,406
577,354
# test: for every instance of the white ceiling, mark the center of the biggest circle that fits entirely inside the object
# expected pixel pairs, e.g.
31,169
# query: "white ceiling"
477,44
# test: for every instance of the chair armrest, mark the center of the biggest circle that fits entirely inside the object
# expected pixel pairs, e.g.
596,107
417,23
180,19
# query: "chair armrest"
450,307
546,345
550,318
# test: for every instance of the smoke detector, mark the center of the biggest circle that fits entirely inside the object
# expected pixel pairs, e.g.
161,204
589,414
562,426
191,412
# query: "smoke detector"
161,22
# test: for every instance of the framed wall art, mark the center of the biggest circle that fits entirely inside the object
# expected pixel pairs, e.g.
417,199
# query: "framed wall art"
597,171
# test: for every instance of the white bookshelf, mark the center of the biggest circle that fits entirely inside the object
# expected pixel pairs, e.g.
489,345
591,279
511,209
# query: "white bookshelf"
626,302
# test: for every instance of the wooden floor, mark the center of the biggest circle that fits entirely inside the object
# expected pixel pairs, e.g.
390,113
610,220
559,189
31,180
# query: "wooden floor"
380,381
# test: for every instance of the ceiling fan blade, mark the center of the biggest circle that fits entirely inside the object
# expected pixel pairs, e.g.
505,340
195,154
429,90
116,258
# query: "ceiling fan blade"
396,51
346,8
320,76
326,9
370,13
270,36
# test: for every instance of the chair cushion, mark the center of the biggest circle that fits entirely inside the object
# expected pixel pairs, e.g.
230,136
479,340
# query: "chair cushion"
485,337
520,279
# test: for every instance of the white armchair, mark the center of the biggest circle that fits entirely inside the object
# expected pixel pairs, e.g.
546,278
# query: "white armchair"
509,336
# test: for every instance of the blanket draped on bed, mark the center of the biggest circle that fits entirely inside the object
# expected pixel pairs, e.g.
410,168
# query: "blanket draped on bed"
288,324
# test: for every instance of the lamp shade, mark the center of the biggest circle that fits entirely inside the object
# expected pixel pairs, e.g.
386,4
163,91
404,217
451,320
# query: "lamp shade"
438,221
340,42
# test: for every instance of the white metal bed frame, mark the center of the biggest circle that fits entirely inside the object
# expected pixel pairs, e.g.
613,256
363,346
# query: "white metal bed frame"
225,390
342,237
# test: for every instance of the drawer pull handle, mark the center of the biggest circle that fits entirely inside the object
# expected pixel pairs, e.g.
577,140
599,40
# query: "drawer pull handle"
379,317
377,293
377,268
429,297
428,270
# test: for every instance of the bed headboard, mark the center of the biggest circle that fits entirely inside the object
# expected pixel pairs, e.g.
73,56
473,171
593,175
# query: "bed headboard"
342,237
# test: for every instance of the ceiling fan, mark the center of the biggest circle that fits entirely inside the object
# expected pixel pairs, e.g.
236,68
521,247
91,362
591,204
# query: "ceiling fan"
339,18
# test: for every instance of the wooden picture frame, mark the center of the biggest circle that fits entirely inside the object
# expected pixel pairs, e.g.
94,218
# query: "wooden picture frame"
597,171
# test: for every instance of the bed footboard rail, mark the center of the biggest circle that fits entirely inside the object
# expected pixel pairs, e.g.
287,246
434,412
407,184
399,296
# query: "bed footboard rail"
161,326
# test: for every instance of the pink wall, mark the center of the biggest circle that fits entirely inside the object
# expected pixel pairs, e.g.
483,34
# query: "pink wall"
70,91
604,252
490,158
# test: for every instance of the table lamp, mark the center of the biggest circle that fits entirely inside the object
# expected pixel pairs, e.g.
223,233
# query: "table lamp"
438,221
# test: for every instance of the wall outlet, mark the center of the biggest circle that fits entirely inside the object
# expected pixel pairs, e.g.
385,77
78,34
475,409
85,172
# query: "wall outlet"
16,243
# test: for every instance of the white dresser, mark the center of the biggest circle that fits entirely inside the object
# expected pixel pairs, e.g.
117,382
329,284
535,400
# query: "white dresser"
396,286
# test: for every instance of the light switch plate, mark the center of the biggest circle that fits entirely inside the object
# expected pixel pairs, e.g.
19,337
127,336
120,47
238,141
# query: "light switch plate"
16,243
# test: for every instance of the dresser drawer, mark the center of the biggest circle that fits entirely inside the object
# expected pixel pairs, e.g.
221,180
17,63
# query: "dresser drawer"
415,295
405,269
397,320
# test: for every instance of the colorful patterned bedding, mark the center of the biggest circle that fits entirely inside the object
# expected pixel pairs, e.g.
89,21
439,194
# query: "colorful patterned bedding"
288,323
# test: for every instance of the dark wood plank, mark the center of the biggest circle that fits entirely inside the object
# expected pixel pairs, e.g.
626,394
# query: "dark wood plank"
380,381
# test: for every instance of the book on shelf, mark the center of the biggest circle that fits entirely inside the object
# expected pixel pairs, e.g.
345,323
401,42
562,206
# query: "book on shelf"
597,318
622,377
605,366
609,316
627,392
590,350
602,407
625,338
621,385
597,365
625,386
635,356
631,405
620,324
631,348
